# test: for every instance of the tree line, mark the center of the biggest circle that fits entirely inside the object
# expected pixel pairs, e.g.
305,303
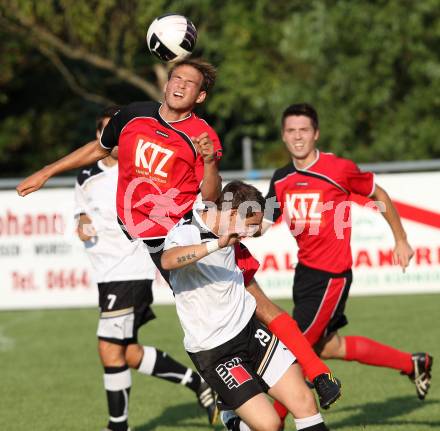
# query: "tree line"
372,69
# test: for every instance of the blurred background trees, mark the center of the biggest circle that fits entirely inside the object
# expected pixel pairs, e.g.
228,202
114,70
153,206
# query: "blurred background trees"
372,69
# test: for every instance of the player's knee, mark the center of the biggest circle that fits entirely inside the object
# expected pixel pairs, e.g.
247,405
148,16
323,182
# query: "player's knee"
132,362
303,404
133,355
112,355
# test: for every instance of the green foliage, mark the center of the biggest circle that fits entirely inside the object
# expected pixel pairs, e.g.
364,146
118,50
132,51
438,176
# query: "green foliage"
371,68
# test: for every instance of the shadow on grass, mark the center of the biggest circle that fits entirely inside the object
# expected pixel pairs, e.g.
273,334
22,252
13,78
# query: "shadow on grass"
386,414
184,416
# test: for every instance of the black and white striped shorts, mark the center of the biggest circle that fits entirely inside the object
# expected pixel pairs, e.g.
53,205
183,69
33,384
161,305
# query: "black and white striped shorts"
249,364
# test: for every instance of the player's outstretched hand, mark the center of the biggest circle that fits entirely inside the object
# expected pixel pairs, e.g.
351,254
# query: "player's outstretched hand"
402,254
32,183
228,239
205,147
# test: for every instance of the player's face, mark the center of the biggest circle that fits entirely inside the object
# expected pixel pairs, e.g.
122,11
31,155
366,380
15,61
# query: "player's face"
183,89
246,227
299,136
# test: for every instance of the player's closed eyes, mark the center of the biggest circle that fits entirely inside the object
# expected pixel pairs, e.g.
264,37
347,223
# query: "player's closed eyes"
180,79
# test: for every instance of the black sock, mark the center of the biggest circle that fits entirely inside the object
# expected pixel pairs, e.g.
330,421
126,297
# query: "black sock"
117,383
317,427
160,364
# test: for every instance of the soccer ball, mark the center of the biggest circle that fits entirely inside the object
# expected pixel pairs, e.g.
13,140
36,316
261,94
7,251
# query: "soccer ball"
171,37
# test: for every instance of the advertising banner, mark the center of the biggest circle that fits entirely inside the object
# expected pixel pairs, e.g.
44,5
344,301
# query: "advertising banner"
43,264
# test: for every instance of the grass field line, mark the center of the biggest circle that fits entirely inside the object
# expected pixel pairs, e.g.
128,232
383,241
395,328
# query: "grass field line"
23,317
8,342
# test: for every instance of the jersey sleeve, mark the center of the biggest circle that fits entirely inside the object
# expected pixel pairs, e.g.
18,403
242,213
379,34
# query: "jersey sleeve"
110,135
182,235
272,211
199,168
246,262
361,183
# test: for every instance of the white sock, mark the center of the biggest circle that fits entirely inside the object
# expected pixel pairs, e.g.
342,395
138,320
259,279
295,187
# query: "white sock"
244,427
308,422
148,360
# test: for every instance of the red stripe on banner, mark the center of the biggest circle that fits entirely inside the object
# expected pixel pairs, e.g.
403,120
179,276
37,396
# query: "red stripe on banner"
326,310
409,212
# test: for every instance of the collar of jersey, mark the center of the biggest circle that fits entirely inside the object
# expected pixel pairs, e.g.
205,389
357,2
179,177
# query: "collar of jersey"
310,165
175,121
201,222
103,167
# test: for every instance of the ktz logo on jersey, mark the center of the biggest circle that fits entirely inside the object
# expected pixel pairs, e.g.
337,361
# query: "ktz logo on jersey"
304,209
152,160
233,373
304,206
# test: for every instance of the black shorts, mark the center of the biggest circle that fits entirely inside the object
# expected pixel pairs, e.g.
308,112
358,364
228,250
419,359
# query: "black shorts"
249,364
319,298
125,307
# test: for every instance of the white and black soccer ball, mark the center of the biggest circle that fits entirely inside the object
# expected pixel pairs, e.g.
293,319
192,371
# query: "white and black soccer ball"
171,37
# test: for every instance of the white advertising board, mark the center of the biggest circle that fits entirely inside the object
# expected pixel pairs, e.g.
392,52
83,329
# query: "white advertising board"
43,264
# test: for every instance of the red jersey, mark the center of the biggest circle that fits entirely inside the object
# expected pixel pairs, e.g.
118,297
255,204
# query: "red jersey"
246,262
315,203
159,169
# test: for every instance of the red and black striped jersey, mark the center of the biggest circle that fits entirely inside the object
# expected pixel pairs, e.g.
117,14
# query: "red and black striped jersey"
315,203
159,169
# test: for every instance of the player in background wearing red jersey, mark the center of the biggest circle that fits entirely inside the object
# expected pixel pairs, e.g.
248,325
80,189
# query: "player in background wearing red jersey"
167,153
312,192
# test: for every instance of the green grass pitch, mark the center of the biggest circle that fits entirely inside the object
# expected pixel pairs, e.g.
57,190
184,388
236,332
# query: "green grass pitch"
51,379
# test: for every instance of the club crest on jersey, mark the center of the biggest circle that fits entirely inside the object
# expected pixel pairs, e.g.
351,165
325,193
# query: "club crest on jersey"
233,373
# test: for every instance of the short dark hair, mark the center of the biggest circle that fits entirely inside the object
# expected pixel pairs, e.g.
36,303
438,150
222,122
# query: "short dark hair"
107,112
236,193
301,109
208,71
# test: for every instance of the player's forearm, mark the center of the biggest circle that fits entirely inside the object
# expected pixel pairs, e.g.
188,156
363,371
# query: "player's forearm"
390,213
266,310
83,156
212,182
178,257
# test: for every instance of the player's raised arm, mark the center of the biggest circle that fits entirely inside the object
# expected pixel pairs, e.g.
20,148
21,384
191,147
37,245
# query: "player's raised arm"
402,251
180,256
211,183
83,156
